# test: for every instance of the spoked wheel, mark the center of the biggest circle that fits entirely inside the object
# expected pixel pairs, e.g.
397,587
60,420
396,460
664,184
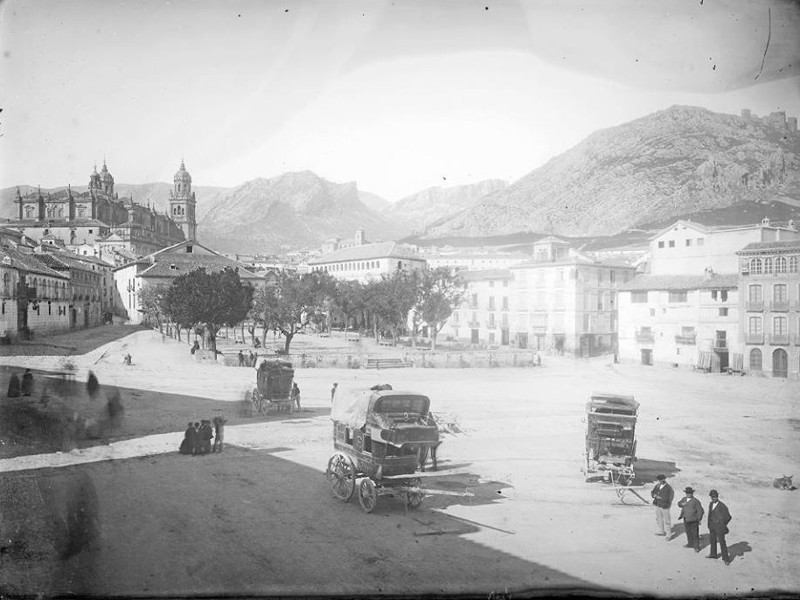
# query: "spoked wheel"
412,500
367,495
341,474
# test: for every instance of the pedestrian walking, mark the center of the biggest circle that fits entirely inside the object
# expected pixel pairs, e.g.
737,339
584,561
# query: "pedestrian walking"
295,395
219,432
333,391
691,513
663,495
718,518
27,383
241,359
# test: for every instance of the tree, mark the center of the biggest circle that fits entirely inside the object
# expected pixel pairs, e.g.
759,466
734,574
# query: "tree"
294,301
440,293
209,299
390,300
348,301
152,299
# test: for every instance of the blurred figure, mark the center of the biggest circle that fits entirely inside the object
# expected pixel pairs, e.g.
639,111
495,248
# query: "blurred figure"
115,410
219,432
189,440
206,434
13,386
92,385
333,391
27,383
294,397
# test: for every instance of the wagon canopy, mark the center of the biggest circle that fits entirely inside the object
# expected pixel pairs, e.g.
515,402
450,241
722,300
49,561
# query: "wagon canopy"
350,407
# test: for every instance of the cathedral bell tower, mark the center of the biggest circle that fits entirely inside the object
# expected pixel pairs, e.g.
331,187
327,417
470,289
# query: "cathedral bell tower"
182,203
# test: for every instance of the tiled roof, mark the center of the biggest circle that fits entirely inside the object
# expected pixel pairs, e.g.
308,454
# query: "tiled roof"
484,274
681,282
367,252
28,262
758,246
174,265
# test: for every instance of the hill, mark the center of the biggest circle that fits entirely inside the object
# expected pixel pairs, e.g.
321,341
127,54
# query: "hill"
676,161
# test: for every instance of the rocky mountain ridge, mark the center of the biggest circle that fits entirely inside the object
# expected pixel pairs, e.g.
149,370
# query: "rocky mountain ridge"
679,160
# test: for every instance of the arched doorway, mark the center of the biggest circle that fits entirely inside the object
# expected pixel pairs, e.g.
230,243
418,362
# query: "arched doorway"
780,363
755,359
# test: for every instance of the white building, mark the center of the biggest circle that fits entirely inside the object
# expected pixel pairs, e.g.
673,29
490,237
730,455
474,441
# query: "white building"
368,261
475,260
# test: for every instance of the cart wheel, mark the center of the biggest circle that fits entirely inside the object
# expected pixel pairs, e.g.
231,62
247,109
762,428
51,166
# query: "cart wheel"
367,495
341,474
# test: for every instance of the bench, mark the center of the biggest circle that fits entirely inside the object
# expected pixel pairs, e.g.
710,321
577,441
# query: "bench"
385,363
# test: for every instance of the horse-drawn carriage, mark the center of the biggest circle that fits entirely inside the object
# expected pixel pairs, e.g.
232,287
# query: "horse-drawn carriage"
611,438
382,438
273,387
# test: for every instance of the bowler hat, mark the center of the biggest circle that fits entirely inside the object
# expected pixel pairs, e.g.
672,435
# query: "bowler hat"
689,490
713,493
661,477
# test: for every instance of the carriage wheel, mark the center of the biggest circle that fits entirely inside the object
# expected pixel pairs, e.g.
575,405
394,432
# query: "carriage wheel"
412,500
341,474
367,495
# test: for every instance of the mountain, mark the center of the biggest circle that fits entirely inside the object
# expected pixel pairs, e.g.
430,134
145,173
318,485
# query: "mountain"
373,201
676,161
291,211
419,211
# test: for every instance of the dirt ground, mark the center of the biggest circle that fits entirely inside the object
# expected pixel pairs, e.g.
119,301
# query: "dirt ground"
260,519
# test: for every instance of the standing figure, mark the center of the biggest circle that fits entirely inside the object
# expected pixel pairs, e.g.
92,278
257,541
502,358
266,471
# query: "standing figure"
691,513
188,443
219,432
718,518
195,347
206,434
196,439
13,386
333,391
295,395
662,499
27,383
241,358
251,359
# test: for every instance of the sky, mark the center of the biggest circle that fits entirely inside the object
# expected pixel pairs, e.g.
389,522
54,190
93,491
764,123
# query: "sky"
397,96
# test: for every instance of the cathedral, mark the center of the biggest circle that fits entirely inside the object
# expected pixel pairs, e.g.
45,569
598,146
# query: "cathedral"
99,222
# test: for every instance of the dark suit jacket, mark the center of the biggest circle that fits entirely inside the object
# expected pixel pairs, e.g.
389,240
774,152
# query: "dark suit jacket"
719,518
662,497
691,510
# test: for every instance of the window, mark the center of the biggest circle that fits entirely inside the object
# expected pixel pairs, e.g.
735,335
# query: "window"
700,241
6,282
723,295
779,293
713,294
780,325
755,359
688,242
652,312
491,283
792,264
723,312
660,244
754,293
679,296
768,266
672,243
687,331
755,266
754,326
505,282
639,297
491,302
455,317
491,337
780,264
505,303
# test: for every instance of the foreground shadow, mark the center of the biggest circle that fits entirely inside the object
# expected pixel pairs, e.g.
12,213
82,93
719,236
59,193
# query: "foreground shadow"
647,470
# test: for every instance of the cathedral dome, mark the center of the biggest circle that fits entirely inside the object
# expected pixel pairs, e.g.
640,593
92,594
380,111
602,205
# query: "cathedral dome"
105,176
183,174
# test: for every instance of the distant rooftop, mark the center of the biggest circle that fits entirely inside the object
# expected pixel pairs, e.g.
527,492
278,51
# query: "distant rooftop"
367,252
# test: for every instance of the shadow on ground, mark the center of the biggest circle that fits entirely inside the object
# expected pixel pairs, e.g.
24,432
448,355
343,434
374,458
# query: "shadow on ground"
246,522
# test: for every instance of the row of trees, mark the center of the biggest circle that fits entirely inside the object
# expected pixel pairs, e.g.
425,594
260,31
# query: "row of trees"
395,304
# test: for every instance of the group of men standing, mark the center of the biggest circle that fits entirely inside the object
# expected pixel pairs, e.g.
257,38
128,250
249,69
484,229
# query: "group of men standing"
692,514
198,436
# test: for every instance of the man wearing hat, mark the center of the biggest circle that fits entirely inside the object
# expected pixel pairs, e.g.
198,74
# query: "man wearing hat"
691,513
718,519
662,499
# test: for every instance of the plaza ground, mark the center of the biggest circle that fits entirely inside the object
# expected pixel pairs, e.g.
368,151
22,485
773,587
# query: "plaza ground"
260,518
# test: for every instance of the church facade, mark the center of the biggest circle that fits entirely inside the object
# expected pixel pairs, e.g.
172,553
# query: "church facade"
117,228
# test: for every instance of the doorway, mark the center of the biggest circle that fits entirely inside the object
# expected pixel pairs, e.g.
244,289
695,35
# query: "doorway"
647,356
780,363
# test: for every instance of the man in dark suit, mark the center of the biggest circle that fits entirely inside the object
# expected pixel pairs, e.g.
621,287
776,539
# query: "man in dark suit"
718,519
692,514
663,495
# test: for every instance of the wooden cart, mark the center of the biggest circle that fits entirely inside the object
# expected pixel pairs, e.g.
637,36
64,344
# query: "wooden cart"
273,387
611,438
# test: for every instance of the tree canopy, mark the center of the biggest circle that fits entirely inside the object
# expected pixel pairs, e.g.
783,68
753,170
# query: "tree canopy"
209,299
440,293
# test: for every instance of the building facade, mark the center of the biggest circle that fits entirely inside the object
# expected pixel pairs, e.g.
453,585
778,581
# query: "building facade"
364,262
769,283
98,217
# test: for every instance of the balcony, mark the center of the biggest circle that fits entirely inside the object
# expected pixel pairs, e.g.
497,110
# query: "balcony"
754,338
690,338
782,306
754,305
473,325
645,337
779,339
491,325
720,345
